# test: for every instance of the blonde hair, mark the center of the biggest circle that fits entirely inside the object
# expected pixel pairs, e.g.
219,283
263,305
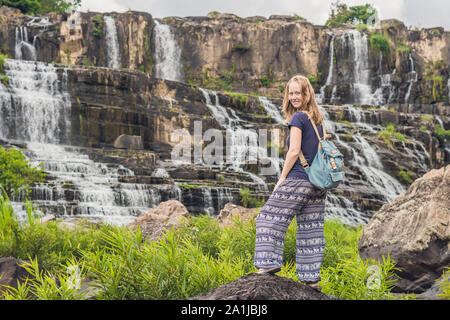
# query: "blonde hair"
308,100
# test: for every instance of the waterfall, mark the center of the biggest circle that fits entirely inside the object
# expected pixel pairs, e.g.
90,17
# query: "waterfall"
360,55
23,49
412,77
112,43
321,96
448,89
366,159
167,54
242,143
34,106
272,110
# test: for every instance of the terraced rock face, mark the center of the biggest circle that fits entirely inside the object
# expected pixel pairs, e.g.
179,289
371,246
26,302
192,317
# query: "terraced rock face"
111,136
86,115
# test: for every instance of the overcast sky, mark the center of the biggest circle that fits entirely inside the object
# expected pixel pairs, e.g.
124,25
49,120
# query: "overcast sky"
415,13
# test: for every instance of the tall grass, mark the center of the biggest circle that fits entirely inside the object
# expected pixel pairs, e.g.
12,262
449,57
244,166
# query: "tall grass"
193,259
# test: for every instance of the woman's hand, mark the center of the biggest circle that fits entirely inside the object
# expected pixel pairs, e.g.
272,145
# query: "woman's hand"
278,183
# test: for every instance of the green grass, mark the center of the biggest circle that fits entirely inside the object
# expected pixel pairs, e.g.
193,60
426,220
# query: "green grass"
389,133
193,259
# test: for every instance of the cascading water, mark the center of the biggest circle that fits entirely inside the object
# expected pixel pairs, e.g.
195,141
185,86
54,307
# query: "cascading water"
23,49
272,110
242,143
112,43
321,95
412,78
35,109
167,54
359,46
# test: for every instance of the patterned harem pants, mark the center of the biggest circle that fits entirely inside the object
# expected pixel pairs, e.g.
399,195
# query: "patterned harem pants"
299,198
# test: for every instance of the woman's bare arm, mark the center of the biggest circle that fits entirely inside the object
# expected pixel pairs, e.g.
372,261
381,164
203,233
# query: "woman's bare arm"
294,150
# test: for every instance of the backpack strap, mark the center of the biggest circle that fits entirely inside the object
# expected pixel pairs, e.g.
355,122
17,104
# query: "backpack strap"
325,136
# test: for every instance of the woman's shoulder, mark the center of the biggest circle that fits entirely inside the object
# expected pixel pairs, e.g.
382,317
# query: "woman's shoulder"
300,114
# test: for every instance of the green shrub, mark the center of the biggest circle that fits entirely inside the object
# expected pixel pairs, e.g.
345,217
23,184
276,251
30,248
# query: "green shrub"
341,14
380,43
194,259
49,243
16,174
442,134
389,133
444,285
403,48
265,81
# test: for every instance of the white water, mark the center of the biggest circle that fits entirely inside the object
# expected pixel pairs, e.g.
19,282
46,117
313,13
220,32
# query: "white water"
35,109
242,143
412,78
112,43
367,160
361,73
321,96
23,49
272,110
167,54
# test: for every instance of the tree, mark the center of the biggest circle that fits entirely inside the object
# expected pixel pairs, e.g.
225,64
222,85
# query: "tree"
25,6
42,6
59,6
15,172
341,14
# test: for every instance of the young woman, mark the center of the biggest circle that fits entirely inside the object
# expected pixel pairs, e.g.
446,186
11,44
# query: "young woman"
293,195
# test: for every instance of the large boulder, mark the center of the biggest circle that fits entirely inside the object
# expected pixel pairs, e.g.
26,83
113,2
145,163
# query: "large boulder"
255,286
415,231
12,273
232,211
157,221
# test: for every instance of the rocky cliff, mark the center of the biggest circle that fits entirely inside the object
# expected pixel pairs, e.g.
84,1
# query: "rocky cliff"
388,65
104,116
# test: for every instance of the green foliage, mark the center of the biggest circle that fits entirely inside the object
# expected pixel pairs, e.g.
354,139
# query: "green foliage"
44,286
265,81
25,6
88,63
354,279
427,117
3,77
49,243
98,28
42,6
403,48
380,43
444,284
341,14
297,17
442,134
389,133
197,257
405,175
59,6
16,174
245,195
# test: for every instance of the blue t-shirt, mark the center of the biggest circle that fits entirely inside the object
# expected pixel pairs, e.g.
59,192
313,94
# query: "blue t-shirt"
310,142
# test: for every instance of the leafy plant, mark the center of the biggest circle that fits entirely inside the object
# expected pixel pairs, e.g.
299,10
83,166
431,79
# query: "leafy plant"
389,133
16,174
341,14
380,43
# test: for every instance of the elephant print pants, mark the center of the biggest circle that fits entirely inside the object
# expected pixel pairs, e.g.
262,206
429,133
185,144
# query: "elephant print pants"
298,198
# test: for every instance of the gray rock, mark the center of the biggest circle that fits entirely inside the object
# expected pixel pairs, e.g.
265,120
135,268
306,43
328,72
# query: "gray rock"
255,286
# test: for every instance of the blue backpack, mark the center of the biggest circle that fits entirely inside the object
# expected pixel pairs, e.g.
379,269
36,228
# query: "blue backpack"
326,170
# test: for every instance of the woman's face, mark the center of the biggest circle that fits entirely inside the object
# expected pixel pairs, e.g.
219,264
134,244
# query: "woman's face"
295,94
